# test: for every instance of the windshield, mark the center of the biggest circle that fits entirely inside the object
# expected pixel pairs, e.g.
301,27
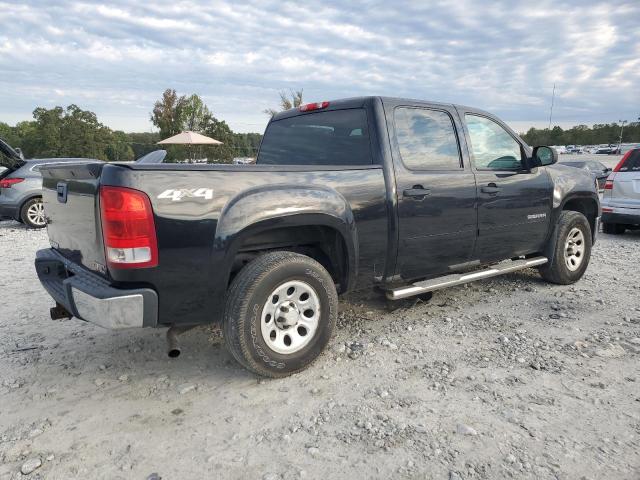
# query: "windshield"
337,137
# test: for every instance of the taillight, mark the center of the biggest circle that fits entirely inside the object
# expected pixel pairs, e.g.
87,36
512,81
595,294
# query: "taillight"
7,182
308,107
128,228
622,161
608,185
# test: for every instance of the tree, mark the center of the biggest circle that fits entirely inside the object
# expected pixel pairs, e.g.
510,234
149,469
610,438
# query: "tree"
219,130
119,149
168,113
193,113
288,100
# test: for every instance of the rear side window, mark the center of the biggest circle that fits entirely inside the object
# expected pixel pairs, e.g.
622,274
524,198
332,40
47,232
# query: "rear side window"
337,137
632,163
426,139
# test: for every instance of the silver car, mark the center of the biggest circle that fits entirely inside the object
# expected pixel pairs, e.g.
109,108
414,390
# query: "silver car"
621,200
21,186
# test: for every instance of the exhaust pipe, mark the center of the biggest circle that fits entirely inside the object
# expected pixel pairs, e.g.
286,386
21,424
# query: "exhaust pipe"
173,345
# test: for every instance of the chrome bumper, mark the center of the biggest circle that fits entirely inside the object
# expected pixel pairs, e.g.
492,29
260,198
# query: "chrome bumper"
113,313
90,297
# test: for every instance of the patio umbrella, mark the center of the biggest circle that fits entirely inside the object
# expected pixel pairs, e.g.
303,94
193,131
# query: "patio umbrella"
189,138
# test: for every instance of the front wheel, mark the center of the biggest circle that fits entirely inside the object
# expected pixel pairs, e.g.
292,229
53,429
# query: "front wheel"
572,252
280,313
32,213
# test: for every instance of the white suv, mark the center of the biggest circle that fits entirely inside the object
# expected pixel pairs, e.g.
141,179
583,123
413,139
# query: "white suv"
621,200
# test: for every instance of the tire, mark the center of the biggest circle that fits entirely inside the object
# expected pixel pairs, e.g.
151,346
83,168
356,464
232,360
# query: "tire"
32,213
255,327
572,250
613,228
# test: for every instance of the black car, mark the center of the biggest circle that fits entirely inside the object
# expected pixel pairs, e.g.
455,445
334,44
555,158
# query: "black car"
408,196
599,171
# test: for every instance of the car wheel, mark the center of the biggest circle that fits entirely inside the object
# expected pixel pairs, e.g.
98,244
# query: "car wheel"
280,313
32,213
613,228
572,252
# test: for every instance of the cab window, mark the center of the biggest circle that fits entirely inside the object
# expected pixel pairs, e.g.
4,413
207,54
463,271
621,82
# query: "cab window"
492,146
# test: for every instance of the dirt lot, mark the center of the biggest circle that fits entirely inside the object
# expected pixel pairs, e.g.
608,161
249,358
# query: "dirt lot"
509,377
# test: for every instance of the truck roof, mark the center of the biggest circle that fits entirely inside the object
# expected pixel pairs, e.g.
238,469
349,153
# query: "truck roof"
359,102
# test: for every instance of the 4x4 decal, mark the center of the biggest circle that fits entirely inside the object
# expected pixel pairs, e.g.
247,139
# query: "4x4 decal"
176,195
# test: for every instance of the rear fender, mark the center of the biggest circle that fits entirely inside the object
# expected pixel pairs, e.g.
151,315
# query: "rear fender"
278,206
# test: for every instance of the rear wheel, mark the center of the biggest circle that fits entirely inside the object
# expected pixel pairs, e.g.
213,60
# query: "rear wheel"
613,228
572,252
32,213
280,313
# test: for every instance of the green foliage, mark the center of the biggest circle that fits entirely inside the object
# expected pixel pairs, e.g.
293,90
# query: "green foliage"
168,113
73,132
583,135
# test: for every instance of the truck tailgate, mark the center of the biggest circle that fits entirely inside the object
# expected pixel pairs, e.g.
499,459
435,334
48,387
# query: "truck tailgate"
70,195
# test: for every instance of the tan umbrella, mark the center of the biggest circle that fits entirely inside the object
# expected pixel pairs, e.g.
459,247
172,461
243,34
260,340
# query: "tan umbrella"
189,138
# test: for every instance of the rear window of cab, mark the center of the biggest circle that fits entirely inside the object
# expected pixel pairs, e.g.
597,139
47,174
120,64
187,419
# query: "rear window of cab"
336,137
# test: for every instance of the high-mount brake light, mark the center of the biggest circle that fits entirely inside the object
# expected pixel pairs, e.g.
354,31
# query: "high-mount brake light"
7,182
622,161
308,107
128,228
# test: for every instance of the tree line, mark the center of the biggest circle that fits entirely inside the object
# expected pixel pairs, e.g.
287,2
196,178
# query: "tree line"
73,132
608,133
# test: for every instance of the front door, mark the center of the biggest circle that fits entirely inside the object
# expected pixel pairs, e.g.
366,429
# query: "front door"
436,191
514,202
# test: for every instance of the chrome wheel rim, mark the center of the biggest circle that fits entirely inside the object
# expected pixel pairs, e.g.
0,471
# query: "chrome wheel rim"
574,249
290,317
35,214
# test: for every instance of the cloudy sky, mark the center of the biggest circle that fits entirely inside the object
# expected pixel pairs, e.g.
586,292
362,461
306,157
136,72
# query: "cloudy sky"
116,58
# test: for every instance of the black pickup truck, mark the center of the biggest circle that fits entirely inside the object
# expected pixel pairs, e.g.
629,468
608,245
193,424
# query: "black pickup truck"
408,196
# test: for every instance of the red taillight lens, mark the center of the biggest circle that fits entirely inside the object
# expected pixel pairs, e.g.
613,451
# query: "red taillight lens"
313,106
622,161
7,182
128,228
608,185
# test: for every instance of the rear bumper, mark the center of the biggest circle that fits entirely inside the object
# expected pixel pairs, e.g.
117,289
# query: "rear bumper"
91,298
629,216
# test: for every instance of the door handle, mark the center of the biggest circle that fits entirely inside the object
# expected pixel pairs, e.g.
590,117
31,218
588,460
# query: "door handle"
417,191
491,188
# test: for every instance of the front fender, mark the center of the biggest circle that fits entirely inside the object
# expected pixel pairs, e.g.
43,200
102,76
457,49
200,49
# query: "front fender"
276,206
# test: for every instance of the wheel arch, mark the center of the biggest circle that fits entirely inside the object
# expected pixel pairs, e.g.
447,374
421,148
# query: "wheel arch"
588,205
312,219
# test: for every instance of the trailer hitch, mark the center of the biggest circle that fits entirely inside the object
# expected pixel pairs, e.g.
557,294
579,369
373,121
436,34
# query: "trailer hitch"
59,312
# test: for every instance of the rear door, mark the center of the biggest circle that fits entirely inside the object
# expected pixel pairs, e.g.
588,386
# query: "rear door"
436,190
514,203
626,182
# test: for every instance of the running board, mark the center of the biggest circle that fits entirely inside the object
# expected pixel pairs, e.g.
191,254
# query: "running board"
460,278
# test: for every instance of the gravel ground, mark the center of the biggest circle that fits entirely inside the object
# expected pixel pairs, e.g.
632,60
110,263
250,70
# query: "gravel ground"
508,377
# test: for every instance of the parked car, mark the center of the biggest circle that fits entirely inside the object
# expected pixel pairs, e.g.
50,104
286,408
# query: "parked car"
405,195
21,186
599,171
621,199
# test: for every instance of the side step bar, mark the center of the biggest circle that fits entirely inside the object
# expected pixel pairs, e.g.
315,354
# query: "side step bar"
460,278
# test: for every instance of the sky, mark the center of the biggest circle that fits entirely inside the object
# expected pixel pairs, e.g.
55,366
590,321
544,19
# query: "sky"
117,58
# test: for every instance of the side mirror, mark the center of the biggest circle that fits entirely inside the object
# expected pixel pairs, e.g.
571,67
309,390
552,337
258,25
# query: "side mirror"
544,156
608,169
19,152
